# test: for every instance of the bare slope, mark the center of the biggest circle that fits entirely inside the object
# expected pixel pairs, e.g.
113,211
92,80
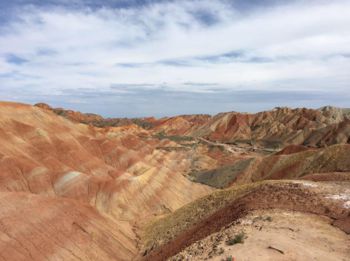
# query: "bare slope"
41,228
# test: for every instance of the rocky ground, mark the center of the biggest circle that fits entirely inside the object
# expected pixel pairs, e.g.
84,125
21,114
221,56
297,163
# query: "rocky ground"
206,216
273,235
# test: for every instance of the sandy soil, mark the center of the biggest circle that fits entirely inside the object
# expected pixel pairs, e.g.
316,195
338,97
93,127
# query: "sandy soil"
274,235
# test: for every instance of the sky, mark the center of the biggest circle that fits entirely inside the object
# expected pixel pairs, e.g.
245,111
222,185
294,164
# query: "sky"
136,58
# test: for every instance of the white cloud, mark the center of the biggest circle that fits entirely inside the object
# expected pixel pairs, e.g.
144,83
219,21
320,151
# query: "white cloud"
306,43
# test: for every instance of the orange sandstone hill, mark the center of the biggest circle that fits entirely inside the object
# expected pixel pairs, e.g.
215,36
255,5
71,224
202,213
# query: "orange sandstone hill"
76,186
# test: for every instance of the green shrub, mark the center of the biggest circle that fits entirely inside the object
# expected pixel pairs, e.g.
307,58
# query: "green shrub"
237,239
268,218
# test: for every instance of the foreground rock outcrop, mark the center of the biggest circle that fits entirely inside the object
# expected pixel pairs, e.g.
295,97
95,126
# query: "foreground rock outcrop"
272,235
166,237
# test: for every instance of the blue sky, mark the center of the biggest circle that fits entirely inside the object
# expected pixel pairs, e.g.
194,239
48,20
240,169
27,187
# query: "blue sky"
139,58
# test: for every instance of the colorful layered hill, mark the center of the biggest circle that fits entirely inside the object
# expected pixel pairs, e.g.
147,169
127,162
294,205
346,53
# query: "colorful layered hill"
73,191
97,120
76,186
274,129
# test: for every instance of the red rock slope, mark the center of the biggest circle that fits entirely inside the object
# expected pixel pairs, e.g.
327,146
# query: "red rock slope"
75,192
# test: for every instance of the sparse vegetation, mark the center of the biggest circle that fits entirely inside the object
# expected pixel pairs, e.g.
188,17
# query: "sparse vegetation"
223,176
237,239
156,231
176,138
229,258
268,218
261,218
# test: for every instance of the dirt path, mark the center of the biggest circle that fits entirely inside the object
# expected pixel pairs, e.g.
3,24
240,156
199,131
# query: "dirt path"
237,149
222,145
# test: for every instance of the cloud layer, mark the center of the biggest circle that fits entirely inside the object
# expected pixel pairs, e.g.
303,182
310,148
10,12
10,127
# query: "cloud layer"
157,58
